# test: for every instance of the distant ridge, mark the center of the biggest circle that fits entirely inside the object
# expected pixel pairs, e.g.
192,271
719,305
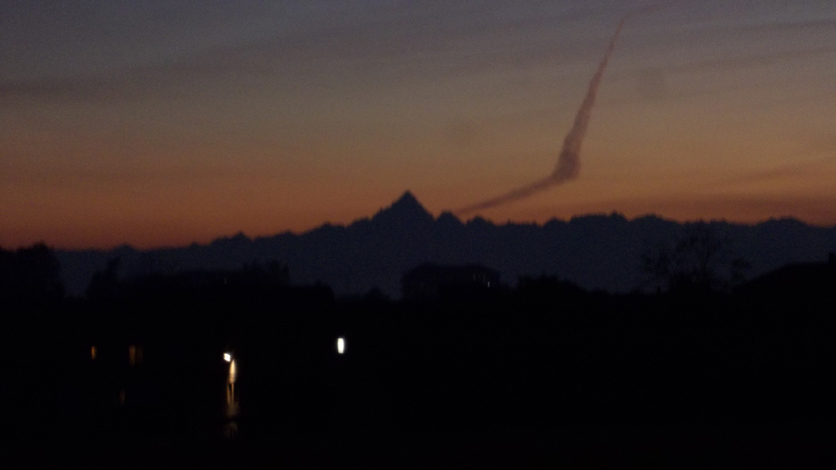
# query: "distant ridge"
406,204
406,210
594,251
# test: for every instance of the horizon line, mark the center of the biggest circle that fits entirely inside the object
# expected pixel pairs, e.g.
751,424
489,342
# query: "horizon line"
252,238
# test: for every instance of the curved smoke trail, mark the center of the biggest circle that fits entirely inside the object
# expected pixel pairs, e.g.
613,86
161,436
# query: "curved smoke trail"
568,162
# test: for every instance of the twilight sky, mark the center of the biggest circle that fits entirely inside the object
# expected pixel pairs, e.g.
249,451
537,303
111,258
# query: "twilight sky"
163,123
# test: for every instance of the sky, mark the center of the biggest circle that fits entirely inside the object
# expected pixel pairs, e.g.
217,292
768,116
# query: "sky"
166,123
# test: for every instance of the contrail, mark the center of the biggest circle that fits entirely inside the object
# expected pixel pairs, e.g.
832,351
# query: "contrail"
568,162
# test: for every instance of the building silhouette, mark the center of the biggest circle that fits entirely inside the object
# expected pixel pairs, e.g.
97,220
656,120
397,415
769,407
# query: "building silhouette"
431,281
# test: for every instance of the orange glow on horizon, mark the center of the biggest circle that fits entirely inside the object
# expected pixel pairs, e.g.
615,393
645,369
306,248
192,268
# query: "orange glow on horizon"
705,112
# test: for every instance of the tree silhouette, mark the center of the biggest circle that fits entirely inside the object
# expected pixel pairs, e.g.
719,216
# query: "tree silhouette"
698,261
30,275
105,284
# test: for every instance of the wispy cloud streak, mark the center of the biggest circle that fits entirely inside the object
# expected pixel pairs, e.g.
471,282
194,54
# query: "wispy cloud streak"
568,162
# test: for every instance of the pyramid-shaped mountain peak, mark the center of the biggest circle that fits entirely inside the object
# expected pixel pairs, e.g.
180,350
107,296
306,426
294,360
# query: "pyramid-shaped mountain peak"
405,208
408,201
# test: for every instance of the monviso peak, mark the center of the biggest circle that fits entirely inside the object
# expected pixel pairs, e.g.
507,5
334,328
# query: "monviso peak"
406,210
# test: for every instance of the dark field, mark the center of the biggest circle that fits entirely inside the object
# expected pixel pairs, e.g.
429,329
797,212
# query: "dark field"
532,377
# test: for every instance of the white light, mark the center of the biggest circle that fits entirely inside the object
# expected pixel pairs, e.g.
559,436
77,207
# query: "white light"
227,357
340,345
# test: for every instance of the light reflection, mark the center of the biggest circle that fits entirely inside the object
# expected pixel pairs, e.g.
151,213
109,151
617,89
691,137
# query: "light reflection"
134,355
93,352
231,409
340,345
233,373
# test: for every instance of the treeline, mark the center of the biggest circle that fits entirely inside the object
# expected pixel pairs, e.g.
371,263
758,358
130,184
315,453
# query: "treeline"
543,364
29,275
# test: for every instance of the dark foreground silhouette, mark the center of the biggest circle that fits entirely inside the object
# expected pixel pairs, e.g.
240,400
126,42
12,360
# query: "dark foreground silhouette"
541,374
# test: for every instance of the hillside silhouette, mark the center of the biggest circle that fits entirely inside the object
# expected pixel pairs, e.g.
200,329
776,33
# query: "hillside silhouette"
596,252
246,363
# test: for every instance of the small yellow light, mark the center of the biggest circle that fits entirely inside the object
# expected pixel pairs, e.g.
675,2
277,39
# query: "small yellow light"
93,352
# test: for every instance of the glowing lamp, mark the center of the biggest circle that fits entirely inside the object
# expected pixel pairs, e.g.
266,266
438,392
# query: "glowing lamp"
227,357
340,345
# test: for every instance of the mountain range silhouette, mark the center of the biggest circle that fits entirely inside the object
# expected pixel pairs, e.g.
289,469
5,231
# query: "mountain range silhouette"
596,252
